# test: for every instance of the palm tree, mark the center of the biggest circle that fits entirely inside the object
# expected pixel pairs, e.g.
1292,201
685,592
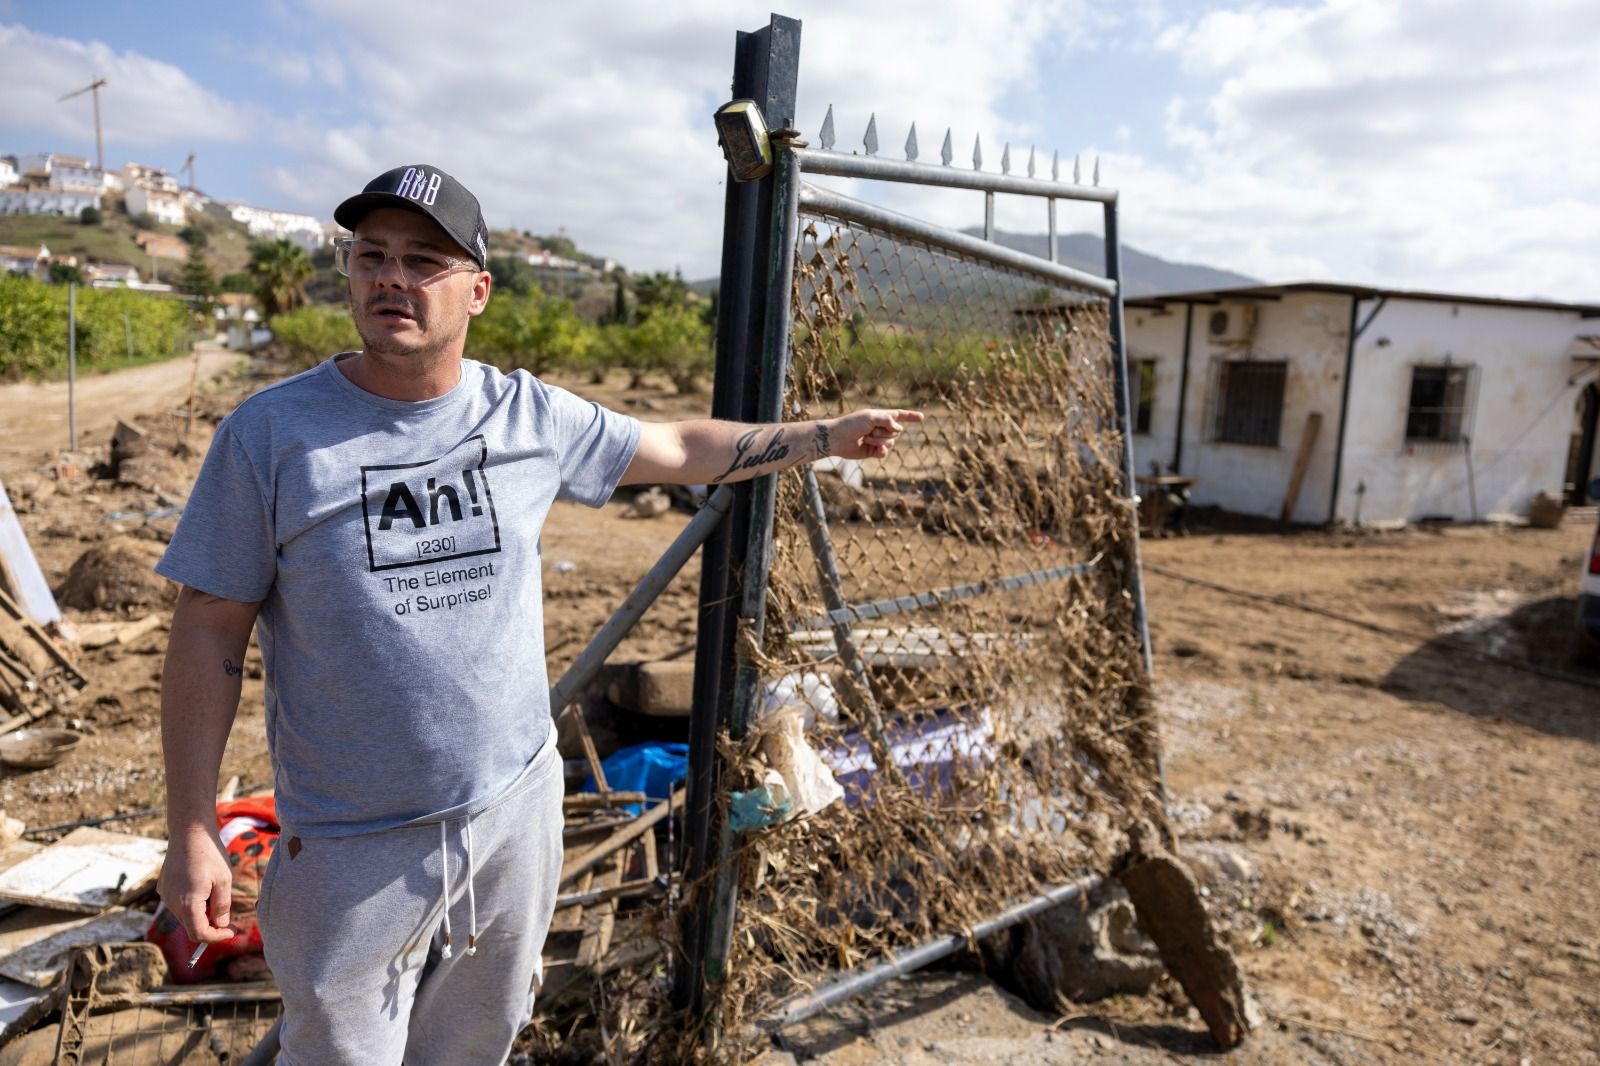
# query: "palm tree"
280,270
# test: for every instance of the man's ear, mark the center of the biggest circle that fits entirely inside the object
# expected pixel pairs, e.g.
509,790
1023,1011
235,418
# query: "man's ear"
480,293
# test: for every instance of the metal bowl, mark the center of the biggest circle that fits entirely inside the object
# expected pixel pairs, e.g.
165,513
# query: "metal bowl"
35,749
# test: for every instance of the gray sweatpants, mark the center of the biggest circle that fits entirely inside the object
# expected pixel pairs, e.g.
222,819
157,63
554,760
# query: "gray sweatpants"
354,929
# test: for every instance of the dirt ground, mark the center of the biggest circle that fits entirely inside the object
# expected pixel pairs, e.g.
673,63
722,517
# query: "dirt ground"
1398,836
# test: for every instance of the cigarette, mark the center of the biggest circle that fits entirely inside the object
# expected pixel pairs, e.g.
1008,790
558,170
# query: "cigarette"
199,951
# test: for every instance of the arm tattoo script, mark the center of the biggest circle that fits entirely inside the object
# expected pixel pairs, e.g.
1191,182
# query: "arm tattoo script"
746,457
230,669
823,446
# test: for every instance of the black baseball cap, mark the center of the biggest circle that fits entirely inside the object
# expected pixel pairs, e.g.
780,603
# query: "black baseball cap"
428,191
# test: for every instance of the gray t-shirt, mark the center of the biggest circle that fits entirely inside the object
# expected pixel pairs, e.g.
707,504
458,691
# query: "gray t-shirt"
394,548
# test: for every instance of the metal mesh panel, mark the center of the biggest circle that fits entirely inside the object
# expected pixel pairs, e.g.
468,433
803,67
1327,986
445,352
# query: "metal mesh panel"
985,704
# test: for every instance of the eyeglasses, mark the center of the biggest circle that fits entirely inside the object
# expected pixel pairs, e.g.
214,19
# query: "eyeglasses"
363,260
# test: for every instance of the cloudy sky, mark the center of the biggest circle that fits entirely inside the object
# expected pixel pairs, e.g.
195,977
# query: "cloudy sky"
1446,144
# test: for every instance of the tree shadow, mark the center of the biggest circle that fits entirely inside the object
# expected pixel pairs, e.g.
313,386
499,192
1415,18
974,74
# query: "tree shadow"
1538,634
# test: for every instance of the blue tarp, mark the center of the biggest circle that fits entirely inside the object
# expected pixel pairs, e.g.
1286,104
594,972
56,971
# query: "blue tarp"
652,768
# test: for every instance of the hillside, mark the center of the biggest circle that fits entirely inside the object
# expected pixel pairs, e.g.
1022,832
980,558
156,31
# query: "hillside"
112,239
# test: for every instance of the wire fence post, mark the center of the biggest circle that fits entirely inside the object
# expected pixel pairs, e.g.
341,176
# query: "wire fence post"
72,365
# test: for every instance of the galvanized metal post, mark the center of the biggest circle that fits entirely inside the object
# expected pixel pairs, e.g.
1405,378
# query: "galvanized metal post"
1135,578
766,69
72,364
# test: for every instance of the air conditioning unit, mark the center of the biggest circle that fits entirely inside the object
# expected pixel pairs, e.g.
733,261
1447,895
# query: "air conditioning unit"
1232,325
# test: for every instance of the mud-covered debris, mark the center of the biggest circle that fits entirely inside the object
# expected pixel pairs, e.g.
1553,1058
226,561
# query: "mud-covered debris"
116,574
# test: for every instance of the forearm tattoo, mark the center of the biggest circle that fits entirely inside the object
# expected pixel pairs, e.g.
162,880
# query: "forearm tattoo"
230,669
746,456
823,446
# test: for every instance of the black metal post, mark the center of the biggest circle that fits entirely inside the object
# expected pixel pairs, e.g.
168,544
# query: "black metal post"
765,69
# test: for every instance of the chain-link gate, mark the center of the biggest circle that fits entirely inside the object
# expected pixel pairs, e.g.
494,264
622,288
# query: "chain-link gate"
953,636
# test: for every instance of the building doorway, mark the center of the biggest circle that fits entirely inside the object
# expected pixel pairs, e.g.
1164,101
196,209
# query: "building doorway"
1580,455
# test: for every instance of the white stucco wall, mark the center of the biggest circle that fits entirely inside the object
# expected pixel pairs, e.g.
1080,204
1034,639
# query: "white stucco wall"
1304,330
1520,424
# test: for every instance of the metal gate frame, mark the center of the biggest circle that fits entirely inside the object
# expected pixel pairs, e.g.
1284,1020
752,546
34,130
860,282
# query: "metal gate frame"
761,222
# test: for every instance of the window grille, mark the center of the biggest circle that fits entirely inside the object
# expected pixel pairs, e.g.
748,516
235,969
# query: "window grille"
1251,407
1437,410
1143,377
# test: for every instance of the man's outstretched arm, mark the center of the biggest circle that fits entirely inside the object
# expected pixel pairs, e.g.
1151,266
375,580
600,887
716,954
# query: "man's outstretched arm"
199,698
709,452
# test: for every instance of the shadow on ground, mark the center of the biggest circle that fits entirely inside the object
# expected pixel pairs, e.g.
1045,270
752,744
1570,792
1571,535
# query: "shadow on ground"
1539,634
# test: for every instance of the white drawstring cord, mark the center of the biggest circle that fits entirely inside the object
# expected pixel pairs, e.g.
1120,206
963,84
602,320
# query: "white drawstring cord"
472,901
444,859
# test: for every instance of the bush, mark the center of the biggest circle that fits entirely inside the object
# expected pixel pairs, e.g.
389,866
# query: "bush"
532,331
33,326
311,334
89,216
673,340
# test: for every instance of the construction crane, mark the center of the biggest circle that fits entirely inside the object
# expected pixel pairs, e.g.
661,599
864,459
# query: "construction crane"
188,164
99,142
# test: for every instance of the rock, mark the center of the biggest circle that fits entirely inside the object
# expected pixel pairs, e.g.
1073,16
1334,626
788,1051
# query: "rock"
1078,951
127,442
1217,864
1172,913
117,573
651,503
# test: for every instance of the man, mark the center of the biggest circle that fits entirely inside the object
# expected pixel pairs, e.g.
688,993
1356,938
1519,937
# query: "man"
377,518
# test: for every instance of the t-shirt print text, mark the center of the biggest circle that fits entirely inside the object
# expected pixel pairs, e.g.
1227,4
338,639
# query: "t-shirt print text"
421,513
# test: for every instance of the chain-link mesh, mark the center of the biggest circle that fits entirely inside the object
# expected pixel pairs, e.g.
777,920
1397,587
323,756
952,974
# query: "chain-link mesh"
967,665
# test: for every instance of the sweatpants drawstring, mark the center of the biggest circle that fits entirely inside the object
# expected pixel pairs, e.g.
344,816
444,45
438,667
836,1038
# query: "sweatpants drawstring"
472,899
444,887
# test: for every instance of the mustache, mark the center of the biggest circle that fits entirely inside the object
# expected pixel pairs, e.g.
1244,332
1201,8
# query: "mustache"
393,300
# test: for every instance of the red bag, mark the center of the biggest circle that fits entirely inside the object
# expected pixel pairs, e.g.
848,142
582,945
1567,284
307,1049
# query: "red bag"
249,831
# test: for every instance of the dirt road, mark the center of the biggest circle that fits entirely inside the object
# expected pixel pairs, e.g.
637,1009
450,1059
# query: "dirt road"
34,416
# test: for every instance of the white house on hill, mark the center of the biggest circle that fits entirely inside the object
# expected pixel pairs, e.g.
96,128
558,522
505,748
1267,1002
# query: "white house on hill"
158,203
303,230
1378,404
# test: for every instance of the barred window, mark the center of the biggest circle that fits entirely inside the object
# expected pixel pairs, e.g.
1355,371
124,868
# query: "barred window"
1143,377
1250,407
1437,410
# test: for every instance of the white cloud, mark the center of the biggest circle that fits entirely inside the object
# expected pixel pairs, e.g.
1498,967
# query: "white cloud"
1424,144
597,118
146,103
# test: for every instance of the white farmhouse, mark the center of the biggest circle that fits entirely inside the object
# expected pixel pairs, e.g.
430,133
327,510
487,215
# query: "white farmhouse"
158,203
303,230
43,200
9,174
1380,405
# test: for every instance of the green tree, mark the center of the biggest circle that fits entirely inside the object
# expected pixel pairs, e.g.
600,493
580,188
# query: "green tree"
532,331
512,275
660,290
196,279
673,340
61,273
89,216
193,236
280,270
238,281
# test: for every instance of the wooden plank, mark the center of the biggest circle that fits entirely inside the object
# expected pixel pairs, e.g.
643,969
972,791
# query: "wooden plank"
1302,460
600,920
86,871
624,836
40,961
652,865
20,570
570,919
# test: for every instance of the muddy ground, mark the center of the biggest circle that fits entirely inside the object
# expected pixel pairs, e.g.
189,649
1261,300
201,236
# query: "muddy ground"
1399,836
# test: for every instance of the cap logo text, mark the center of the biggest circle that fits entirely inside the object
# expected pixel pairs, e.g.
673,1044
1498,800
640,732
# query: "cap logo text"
418,185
